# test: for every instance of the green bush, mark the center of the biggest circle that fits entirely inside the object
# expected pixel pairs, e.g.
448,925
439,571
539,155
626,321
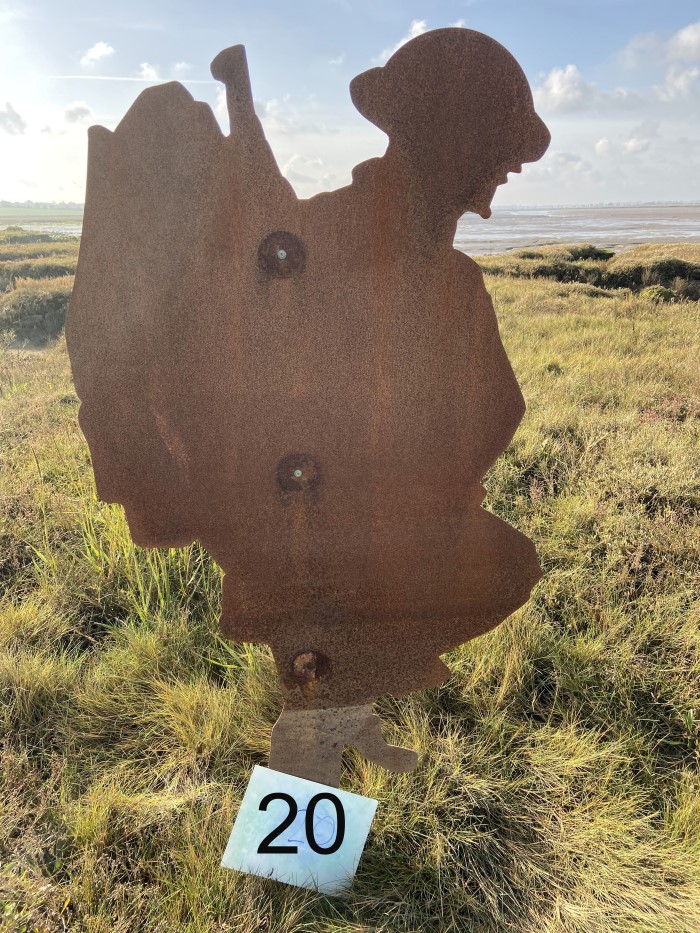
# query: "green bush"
657,294
631,272
583,263
35,310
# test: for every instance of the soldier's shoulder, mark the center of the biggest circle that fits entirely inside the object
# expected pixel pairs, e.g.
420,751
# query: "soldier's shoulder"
466,265
468,272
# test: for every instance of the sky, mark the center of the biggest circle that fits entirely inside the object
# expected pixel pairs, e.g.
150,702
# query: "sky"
616,81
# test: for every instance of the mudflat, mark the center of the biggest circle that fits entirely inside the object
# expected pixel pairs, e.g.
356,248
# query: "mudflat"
614,226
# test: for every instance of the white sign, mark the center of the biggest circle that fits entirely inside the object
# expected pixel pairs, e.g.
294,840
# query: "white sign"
299,832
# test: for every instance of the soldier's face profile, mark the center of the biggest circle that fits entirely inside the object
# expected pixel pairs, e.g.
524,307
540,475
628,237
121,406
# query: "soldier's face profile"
525,140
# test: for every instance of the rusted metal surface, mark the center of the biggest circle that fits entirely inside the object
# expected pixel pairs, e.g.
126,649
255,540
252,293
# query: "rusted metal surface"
313,388
310,742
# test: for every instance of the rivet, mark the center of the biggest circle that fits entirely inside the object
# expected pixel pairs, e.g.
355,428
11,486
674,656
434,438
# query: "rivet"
281,254
298,473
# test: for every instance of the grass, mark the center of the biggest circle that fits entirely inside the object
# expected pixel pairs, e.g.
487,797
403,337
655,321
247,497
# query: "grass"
30,255
675,267
558,789
36,280
18,243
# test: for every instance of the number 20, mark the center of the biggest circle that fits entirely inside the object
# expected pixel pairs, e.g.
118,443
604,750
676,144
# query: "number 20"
266,849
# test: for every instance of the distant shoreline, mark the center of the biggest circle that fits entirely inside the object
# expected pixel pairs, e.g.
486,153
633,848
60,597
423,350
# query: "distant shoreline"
609,226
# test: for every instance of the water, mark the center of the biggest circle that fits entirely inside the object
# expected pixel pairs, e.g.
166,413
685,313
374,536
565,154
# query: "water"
64,229
518,227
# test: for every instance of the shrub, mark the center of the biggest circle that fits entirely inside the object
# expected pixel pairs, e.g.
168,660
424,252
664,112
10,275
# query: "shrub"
36,309
655,264
657,294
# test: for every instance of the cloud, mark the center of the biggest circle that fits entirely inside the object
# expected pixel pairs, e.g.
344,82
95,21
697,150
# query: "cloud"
622,97
337,61
678,83
303,170
558,168
417,28
635,145
77,112
99,51
649,129
11,122
181,68
309,174
564,89
638,49
640,138
281,116
683,46
148,72
220,108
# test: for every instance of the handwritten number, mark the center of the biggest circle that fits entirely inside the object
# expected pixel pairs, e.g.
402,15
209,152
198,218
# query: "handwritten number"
265,848
340,830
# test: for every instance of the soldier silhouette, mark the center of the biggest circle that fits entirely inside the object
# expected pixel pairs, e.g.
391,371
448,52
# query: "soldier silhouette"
314,388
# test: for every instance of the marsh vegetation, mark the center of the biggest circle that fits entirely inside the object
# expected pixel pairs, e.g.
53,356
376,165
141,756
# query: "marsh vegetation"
36,280
558,787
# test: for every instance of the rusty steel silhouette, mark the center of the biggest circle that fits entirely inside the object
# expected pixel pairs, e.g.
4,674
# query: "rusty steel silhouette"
313,388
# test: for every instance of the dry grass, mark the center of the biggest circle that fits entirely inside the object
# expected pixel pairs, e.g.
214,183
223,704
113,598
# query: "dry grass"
558,789
28,255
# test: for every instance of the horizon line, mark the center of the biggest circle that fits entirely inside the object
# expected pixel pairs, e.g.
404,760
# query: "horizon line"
30,205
